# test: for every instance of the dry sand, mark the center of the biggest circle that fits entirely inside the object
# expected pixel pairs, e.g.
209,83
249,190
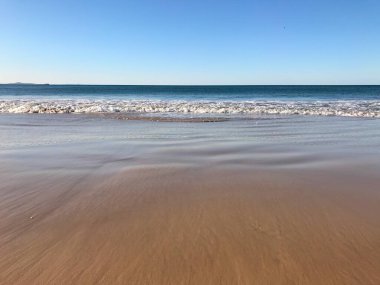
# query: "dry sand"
190,225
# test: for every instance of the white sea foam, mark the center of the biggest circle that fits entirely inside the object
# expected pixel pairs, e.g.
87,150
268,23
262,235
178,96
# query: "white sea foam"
325,108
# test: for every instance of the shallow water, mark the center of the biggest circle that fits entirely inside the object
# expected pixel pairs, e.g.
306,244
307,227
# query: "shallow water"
87,199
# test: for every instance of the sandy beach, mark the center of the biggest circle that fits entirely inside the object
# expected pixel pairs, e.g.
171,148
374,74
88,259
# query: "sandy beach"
189,142
143,202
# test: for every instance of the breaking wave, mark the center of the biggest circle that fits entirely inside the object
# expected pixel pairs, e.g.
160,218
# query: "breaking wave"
362,108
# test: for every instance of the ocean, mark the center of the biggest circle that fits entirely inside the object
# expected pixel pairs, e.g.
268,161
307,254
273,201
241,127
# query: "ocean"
225,101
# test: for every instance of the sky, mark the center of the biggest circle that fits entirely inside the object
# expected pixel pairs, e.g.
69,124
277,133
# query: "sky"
190,42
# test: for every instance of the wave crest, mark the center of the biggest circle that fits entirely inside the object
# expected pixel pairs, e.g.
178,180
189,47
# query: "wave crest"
323,108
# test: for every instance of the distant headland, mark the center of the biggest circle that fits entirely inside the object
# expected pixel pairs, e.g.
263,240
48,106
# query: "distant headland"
25,83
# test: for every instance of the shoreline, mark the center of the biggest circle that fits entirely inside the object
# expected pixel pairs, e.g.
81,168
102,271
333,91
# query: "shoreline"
89,200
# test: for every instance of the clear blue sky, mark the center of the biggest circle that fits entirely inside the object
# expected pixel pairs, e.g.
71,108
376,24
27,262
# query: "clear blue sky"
190,42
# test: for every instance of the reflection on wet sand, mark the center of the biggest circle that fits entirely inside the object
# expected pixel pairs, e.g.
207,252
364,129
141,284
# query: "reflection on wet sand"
162,211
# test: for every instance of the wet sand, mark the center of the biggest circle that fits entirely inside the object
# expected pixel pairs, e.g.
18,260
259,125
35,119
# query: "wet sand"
161,211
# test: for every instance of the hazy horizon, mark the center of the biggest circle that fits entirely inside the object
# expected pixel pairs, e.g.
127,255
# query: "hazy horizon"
184,84
99,84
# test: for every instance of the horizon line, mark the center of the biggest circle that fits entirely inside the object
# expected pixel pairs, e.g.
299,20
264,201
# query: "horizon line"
108,84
